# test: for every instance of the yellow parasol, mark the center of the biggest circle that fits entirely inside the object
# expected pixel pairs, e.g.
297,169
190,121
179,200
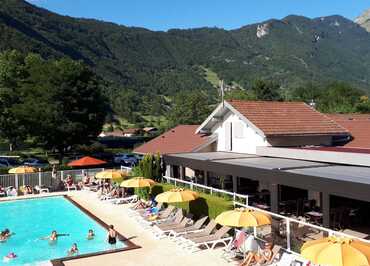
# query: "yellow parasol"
177,195
110,174
22,170
242,217
138,182
337,251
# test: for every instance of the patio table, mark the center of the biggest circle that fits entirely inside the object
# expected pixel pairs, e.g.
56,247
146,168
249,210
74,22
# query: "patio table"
355,233
262,206
315,217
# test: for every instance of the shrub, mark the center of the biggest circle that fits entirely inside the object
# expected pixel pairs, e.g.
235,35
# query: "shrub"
143,193
150,166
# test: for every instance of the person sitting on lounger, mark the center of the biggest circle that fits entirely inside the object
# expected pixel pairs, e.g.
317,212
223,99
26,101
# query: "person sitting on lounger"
69,181
2,191
73,250
27,190
261,257
90,235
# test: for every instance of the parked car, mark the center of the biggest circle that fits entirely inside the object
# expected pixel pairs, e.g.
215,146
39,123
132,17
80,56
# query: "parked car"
35,162
8,162
125,159
139,157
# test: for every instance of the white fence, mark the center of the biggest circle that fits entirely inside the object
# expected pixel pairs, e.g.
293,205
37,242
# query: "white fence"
43,178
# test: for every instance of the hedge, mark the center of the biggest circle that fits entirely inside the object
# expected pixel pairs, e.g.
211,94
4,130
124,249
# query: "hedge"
205,205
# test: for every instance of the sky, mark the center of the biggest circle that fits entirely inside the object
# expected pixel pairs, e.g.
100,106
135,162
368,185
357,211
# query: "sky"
227,14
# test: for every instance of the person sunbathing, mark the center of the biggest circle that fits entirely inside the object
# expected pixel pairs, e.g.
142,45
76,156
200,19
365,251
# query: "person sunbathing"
90,235
261,257
28,190
69,180
73,250
2,191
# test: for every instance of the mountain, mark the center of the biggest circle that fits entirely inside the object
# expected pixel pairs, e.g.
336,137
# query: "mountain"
364,20
293,51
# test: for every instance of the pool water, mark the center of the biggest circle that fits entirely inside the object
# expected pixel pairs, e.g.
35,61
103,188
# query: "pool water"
35,218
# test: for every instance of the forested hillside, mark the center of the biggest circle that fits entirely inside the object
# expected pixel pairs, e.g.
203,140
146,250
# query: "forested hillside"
144,67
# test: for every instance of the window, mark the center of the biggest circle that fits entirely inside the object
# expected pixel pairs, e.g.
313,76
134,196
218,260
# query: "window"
238,130
228,138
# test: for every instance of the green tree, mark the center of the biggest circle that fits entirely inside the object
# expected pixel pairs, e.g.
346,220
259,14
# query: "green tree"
189,108
339,98
266,90
61,104
12,74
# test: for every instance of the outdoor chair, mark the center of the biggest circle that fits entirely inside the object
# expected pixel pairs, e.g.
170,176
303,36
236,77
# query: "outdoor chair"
130,199
286,259
161,216
210,241
145,211
41,189
175,232
233,249
162,231
276,250
182,239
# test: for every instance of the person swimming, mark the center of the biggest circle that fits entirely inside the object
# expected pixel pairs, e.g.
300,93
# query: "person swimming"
73,250
90,234
112,235
4,235
9,257
53,236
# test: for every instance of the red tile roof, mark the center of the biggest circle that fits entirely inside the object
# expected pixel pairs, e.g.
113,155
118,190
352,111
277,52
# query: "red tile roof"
359,127
287,118
177,140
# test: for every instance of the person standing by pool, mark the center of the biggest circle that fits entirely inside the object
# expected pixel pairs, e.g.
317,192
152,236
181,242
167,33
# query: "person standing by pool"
112,235
90,234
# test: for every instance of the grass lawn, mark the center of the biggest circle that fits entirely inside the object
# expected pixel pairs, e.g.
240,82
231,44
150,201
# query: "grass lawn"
212,77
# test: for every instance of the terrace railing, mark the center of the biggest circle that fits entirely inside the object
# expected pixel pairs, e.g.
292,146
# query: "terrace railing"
288,232
240,198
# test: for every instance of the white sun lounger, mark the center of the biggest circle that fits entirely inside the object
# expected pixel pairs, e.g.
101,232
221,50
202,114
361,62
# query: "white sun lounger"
210,241
175,232
161,232
125,200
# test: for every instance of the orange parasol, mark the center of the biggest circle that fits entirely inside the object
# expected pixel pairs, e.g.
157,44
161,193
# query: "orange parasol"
87,161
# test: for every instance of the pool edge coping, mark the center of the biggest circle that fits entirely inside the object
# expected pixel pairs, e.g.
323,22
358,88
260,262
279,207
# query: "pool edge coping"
129,244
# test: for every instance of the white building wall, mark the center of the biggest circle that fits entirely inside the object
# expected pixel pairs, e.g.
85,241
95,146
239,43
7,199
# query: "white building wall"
246,144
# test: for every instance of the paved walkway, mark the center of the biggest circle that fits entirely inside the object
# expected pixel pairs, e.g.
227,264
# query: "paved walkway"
153,252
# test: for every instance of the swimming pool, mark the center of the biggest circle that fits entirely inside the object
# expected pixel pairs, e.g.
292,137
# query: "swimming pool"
34,218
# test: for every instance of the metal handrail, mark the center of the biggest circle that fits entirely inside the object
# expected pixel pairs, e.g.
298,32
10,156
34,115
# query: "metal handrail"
288,220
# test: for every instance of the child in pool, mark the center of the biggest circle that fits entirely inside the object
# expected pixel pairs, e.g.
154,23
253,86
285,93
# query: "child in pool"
90,234
9,257
73,250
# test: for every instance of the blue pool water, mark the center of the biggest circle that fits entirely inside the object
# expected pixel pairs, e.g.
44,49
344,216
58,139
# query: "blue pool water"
35,218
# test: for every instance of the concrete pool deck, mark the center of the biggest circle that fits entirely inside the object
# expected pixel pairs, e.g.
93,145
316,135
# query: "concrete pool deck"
153,252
